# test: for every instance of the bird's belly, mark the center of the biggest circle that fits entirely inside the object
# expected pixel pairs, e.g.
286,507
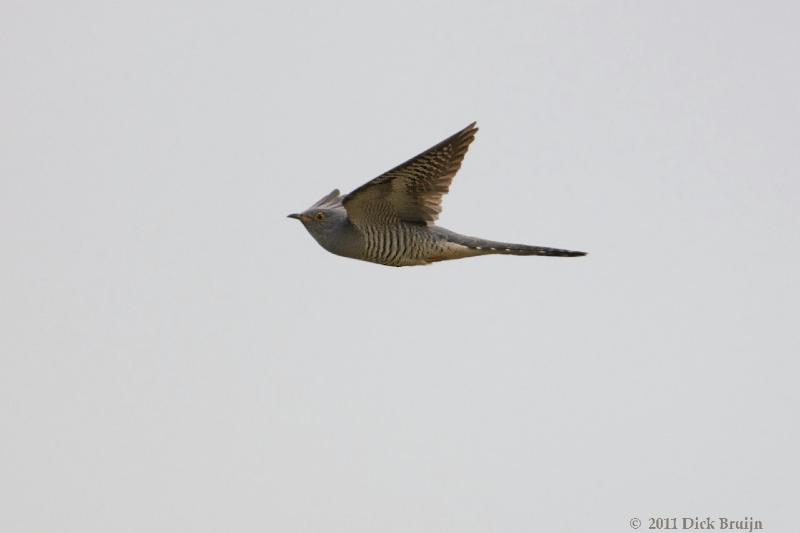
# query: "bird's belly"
400,245
411,247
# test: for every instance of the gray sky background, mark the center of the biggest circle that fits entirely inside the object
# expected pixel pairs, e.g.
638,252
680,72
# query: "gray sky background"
176,355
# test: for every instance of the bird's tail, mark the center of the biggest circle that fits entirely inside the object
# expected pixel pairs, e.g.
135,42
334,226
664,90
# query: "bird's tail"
484,247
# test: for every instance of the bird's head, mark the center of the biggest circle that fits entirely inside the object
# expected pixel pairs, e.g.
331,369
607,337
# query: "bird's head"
324,217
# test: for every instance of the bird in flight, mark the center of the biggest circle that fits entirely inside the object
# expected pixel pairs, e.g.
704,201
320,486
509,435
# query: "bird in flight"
391,219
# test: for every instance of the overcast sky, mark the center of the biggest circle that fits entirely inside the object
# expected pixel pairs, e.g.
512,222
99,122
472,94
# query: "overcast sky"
178,356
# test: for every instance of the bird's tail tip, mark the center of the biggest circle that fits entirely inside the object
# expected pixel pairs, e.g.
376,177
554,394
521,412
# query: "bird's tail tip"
523,249
557,252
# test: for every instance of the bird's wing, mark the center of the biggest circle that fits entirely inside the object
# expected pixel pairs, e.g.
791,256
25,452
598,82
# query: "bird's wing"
413,190
332,199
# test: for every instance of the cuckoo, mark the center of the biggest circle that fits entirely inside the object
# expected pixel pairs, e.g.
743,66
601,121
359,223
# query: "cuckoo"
391,219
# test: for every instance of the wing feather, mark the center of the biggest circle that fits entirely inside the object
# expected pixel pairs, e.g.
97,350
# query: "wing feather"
412,191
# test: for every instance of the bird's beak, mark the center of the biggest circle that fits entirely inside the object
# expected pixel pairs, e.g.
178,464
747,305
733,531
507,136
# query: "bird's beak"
294,215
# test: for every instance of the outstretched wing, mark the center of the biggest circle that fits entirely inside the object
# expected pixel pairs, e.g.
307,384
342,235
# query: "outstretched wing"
330,200
411,191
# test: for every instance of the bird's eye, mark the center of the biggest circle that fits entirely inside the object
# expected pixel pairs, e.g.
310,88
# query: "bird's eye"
319,216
